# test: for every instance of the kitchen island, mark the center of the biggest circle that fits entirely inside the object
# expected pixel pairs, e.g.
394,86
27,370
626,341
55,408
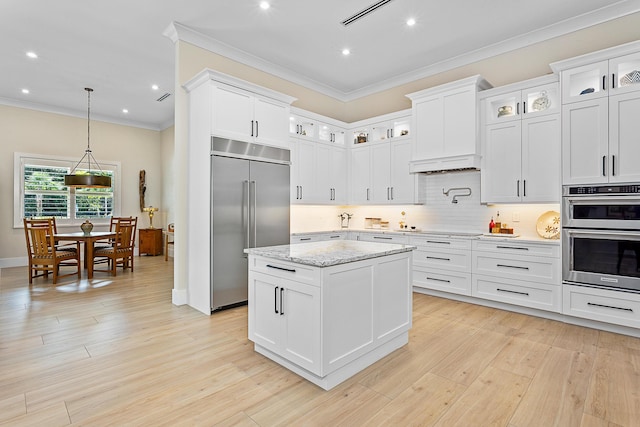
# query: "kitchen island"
327,310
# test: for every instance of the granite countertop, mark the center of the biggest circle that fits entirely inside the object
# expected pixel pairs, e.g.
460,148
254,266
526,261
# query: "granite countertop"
443,233
328,253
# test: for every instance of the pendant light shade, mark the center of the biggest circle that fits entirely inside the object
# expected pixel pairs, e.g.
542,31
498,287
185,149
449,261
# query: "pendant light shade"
87,179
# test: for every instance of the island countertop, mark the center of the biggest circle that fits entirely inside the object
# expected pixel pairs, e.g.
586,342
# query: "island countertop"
328,253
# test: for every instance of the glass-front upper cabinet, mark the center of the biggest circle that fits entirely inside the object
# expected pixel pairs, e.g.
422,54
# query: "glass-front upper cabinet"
302,127
391,130
329,133
361,135
523,104
625,73
618,75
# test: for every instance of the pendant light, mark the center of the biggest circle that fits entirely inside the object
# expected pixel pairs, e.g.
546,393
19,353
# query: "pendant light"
88,179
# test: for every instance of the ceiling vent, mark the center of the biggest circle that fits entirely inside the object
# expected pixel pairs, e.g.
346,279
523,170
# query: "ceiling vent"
163,97
350,20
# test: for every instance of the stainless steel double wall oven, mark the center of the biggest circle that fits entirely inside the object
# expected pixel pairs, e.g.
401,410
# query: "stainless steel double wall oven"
601,236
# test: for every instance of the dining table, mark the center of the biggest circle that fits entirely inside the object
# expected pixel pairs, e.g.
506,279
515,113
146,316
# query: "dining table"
89,241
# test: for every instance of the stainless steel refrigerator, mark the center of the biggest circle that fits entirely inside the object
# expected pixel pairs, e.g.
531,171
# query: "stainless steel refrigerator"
249,208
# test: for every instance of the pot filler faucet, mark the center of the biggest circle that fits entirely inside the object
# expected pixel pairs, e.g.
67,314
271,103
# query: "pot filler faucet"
455,197
344,216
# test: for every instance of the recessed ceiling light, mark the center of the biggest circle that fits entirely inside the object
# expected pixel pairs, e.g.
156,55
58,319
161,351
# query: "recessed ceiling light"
25,91
411,22
124,110
155,87
264,5
32,55
346,52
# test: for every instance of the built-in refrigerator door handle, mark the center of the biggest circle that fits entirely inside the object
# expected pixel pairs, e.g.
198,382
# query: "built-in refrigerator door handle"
255,212
246,214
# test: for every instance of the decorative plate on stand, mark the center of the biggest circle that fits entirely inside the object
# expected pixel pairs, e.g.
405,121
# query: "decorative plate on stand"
548,225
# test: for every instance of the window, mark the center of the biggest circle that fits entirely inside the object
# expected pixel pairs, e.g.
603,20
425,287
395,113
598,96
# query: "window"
39,191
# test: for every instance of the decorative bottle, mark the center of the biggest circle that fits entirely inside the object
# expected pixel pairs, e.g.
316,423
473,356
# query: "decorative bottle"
491,225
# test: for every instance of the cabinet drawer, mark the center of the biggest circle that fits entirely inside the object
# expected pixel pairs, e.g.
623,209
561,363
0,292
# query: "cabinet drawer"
384,238
446,260
306,238
518,292
517,247
536,269
442,280
285,270
620,308
440,242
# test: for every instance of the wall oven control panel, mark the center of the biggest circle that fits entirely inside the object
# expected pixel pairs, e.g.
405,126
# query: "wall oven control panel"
601,190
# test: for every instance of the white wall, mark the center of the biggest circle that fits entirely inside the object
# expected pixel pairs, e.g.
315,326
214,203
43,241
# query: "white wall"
36,132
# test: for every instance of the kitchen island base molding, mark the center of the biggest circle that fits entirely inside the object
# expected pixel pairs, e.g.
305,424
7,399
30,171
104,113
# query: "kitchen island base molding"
338,376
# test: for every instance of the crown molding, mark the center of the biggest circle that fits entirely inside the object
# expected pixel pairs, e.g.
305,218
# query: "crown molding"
177,31
82,114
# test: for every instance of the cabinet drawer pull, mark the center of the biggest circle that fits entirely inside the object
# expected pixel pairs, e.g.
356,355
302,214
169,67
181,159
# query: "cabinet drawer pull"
334,237
441,259
512,292
512,247
438,280
303,238
440,243
610,306
383,238
290,270
613,165
275,299
512,266
281,304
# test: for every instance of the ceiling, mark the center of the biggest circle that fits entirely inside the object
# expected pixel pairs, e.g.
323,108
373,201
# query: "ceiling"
117,47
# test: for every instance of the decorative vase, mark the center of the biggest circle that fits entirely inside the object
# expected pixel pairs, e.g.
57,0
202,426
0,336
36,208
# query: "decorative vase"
86,227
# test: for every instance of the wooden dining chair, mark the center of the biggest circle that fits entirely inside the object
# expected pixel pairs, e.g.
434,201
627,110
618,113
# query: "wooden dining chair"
44,255
107,243
121,253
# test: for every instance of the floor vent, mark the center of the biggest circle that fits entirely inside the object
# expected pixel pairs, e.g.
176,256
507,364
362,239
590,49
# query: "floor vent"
364,12
163,97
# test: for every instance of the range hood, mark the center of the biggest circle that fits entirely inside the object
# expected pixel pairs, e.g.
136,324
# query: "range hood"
446,164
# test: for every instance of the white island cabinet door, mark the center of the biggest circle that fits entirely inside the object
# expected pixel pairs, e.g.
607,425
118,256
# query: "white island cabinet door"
284,317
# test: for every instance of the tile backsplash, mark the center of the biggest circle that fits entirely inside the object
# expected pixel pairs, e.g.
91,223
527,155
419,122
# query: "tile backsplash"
468,215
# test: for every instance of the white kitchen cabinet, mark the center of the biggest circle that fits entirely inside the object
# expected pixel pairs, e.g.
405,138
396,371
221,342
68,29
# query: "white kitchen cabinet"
331,174
442,263
331,133
604,305
302,127
371,236
286,318
328,323
380,173
393,129
521,144
517,272
303,172
318,237
389,127
521,161
601,103
318,173
446,122
245,116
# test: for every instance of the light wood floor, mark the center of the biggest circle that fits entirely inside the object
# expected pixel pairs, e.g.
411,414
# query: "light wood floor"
117,352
